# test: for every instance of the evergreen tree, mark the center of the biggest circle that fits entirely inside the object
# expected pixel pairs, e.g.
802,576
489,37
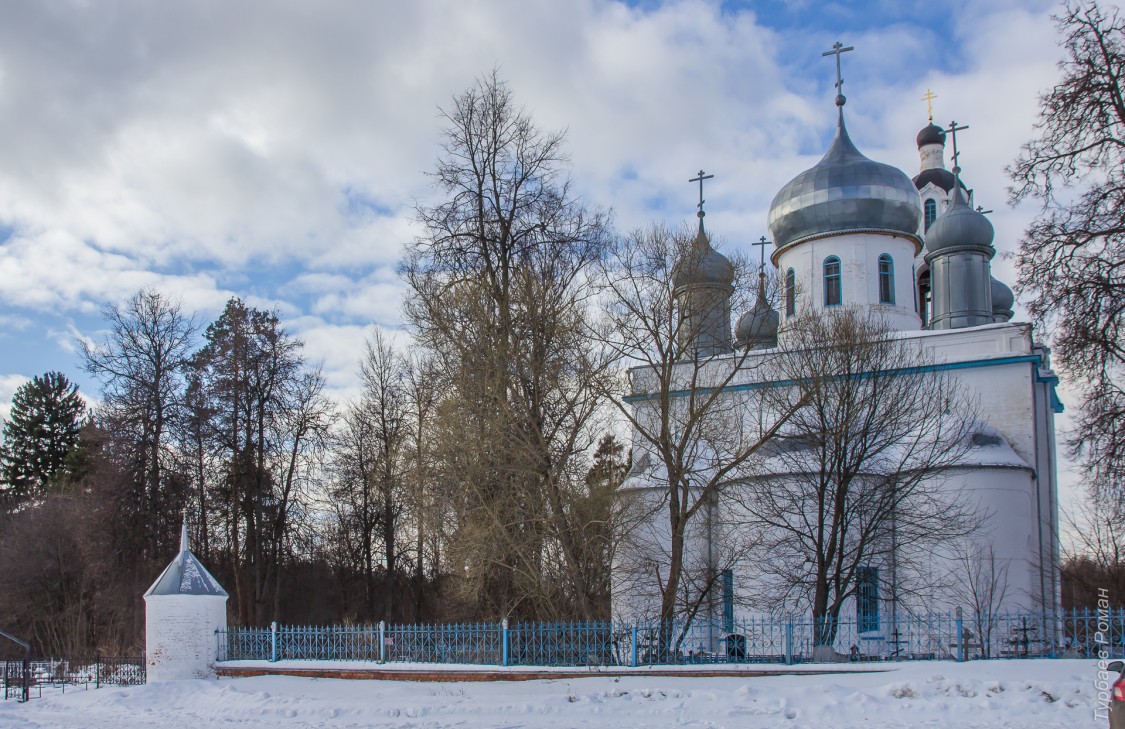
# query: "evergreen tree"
46,417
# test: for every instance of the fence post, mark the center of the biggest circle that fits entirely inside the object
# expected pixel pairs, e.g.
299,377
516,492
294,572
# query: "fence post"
789,643
504,656
382,641
273,642
97,672
634,661
960,637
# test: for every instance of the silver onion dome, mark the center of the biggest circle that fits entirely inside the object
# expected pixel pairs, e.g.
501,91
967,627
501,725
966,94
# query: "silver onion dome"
844,192
959,226
757,328
1003,301
702,265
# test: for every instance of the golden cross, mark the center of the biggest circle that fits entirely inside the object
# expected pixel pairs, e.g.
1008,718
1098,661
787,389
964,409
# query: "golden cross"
929,99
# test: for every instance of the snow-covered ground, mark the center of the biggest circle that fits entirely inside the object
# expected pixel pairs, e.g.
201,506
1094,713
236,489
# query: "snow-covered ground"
1031,693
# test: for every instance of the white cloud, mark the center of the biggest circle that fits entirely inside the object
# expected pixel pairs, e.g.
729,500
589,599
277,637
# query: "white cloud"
275,151
8,386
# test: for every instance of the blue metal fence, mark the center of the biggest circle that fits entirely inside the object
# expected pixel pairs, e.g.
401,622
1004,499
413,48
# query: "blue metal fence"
952,636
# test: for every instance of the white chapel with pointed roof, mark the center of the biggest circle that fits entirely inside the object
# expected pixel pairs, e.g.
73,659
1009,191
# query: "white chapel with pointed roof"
183,610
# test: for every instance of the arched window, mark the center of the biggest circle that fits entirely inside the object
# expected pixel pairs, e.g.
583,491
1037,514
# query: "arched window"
886,279
833,295
790,293
931,212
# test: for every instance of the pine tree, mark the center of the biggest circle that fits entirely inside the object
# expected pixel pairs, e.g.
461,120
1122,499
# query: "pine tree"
47,414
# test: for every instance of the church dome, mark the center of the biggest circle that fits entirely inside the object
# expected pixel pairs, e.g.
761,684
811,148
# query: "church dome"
931,134
702,265
757,328
1003,300
845,191
959,226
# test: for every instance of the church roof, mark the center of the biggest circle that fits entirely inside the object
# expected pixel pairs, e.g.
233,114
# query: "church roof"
988,447
939,176
758,327
931,134
959,226
702,265
845,191
185,575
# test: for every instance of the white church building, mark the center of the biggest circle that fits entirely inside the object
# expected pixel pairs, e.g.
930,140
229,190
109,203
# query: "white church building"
852,232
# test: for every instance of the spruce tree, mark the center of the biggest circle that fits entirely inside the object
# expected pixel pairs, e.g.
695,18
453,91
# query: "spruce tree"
47,414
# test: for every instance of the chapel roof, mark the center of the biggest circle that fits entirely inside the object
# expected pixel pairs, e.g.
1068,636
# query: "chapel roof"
185,575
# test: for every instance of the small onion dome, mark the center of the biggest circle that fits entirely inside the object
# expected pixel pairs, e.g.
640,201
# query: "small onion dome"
1003,301
843,192
958,227
757,328
931,134
940,177
702,265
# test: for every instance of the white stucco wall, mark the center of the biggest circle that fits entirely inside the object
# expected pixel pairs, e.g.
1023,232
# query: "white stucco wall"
999,366
859,265
180,638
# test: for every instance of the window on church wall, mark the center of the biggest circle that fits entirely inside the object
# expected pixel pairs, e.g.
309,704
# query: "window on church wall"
914,277
931,212
790,293
728,600
833,294
923,294
867,599
886,279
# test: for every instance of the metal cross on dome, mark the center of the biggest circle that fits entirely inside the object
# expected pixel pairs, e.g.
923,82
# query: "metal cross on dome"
700,180
838,50
953,129
763,243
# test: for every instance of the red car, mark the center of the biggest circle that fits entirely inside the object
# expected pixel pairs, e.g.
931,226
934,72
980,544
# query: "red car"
1117,696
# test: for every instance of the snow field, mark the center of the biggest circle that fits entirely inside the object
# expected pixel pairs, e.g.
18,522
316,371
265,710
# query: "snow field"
988,694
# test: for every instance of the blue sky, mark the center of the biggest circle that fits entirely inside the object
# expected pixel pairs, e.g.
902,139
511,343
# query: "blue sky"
274,150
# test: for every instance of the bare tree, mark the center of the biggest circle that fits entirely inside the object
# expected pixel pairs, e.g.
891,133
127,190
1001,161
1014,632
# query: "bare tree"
254,383
981,582
694,429
855,479
428,500
370,495
1072,256
1095,558
140,363
497,297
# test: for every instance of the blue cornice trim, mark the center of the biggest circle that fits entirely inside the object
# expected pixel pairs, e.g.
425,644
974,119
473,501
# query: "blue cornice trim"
945,366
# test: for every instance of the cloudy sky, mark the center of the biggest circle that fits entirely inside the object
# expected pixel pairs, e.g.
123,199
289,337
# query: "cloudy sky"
275,150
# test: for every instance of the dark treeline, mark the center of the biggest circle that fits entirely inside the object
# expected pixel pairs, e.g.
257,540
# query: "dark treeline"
306,510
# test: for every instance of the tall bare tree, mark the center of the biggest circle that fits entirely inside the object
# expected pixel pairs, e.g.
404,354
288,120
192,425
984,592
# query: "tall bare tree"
140,362
255,389
856,477
371,493
1072,257
694,429
497,296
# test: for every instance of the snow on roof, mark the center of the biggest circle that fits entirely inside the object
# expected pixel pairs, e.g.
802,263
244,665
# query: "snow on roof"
186,575
987,447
